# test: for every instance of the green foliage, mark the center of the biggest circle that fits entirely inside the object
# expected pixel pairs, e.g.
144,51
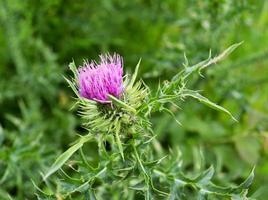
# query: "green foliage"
133,166
39,38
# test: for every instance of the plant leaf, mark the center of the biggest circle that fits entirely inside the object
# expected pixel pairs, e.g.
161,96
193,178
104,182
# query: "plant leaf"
66,155
122,104
248,181
209,61
206,176
134,76
207,102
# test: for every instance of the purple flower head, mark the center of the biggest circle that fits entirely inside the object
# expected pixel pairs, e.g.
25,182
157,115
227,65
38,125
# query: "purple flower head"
97,81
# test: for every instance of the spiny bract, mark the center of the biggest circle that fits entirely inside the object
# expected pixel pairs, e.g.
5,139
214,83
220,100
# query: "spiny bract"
106,100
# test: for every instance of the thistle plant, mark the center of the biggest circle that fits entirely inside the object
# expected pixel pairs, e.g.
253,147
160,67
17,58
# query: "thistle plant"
116,110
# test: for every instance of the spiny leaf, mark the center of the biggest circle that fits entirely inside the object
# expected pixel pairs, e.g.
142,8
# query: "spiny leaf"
134,76
248,181
122,104
71,84
224,54
66,155
209,61
155,162
206,176
207,102
171,114
74,70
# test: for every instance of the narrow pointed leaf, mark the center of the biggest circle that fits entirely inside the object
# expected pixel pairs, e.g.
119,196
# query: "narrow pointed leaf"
206,176
134,76
65,156
207,102
118,141
122,104
248,181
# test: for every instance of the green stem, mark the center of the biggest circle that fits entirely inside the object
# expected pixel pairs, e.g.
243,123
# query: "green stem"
118,141
139,161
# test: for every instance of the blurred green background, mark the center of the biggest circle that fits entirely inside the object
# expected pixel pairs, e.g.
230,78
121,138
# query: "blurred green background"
40,37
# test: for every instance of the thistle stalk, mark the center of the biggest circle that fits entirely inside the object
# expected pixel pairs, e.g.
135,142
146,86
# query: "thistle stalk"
116,111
